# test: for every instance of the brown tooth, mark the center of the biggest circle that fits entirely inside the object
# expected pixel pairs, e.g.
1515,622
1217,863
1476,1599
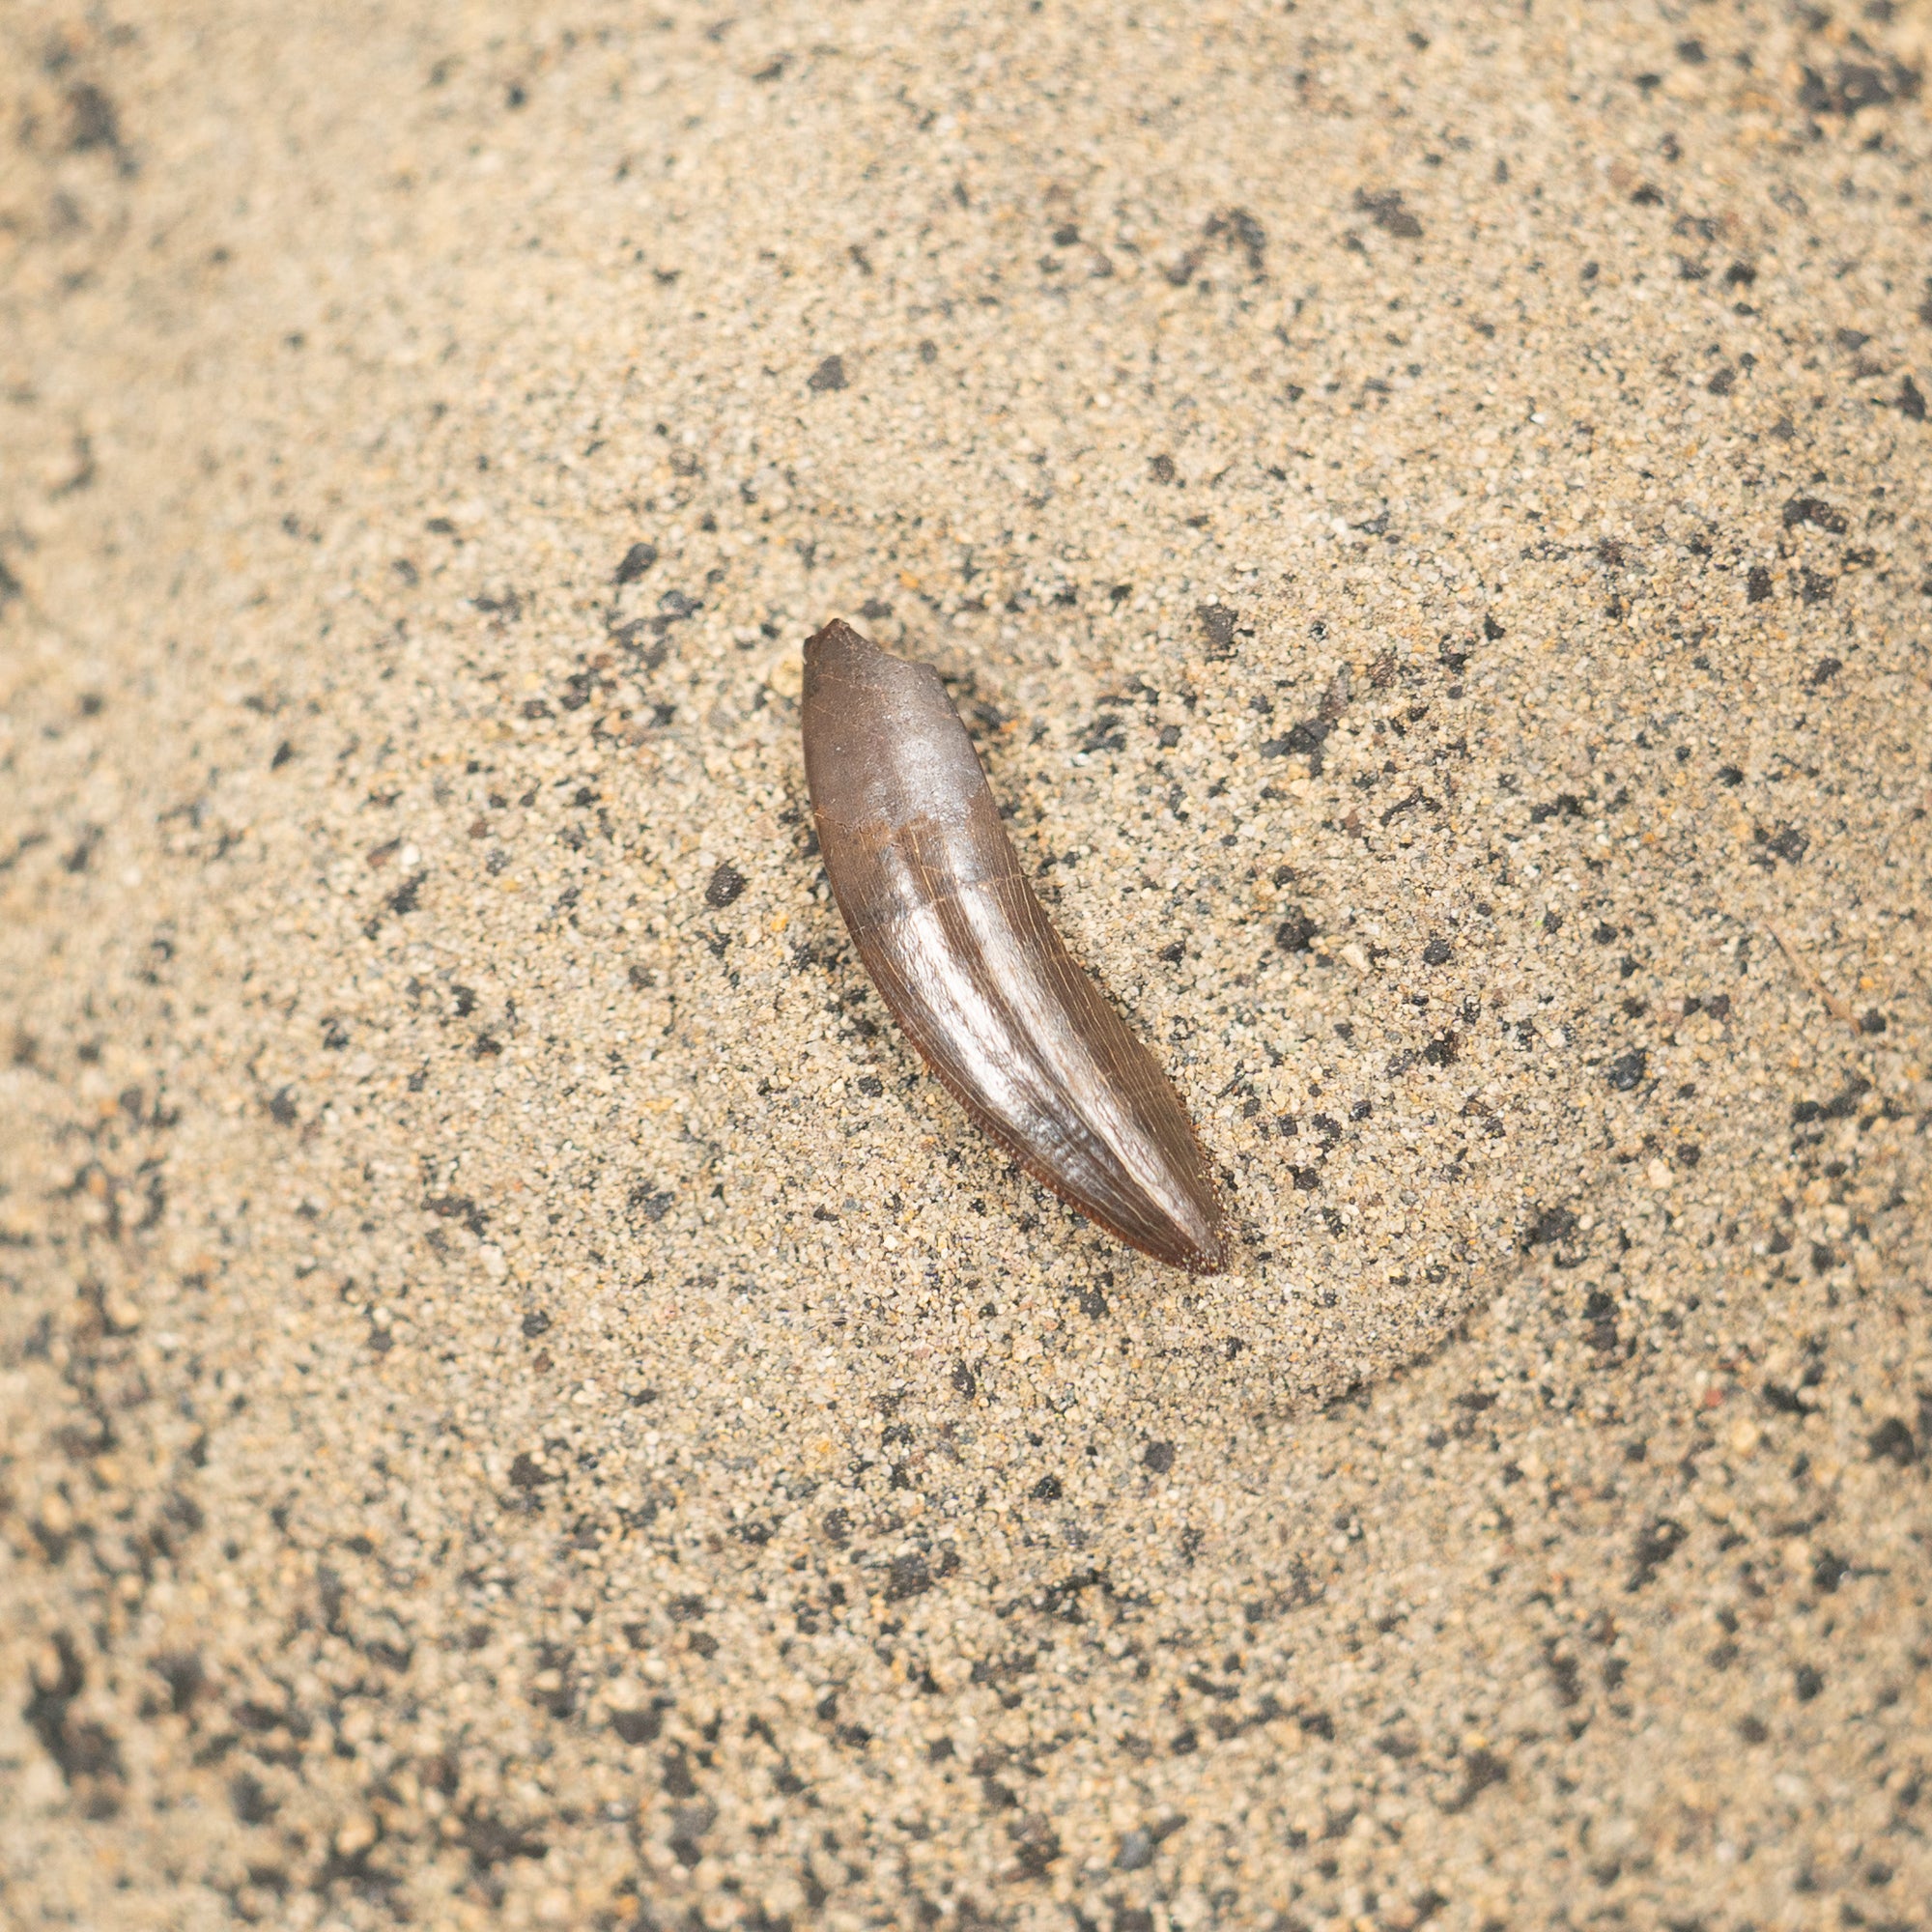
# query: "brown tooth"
962,951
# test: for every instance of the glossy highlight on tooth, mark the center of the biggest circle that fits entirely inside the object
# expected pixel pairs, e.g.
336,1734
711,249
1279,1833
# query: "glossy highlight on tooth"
963,952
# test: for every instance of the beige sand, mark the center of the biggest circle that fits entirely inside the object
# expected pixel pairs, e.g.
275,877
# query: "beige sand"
525,1406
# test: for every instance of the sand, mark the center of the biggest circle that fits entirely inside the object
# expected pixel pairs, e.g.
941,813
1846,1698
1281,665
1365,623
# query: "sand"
523,1406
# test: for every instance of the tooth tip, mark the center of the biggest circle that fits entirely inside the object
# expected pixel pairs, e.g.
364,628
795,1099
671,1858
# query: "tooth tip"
1186,1250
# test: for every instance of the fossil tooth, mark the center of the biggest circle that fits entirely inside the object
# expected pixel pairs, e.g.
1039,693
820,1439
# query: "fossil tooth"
963,952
